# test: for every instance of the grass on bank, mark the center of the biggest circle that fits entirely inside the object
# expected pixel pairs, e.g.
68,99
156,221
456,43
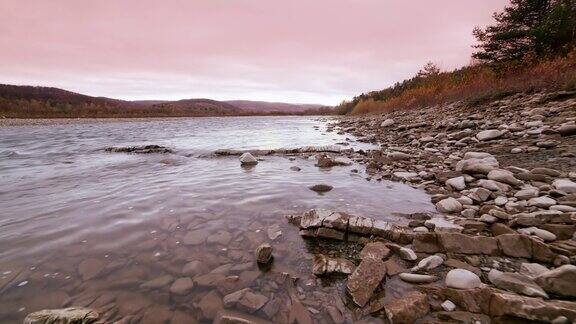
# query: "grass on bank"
473,84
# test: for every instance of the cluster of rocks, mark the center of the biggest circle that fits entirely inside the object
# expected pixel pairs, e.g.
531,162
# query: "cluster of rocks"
502,177
450,271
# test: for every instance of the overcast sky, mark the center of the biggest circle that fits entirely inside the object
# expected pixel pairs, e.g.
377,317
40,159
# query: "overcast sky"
305,51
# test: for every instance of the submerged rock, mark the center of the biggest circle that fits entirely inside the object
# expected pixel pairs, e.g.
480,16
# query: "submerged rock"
264,253
143,149
323,265
321,188
71,315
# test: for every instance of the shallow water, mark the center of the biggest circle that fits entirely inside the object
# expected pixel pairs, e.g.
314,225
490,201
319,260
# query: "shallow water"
85,227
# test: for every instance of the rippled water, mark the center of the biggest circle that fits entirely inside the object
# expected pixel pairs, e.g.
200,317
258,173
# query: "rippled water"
82,226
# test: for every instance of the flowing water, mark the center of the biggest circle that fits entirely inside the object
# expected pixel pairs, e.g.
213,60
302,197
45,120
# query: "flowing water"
82,226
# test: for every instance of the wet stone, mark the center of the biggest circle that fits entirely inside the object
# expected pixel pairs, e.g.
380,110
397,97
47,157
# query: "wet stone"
365,279
264,253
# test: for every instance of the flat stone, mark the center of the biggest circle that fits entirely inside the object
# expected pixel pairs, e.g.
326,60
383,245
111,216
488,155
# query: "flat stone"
560,281
182,286
71,315
543,234
365,279
466,244
530,308
542,202
210,304
532,270
408,308
417,278
321,188
158,282
375,250
490,134
323,265
504,176
565,185
515,245
428,263
517,283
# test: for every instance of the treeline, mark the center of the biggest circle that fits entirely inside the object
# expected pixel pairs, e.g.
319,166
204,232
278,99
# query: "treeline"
531,47
43,102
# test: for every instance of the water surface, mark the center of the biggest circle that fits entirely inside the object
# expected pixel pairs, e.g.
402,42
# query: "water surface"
66,205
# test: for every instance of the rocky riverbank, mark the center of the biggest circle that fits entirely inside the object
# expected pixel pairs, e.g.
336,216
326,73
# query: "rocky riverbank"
502,245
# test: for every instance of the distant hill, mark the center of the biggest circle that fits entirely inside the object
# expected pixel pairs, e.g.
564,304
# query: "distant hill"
263,106
46,102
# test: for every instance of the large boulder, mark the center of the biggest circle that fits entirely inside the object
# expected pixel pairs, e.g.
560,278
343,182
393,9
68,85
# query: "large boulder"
71,315
560,281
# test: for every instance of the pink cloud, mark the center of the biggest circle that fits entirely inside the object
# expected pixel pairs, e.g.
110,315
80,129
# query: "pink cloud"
299,50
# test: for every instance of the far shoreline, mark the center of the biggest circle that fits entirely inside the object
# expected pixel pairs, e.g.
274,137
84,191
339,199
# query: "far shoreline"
33,121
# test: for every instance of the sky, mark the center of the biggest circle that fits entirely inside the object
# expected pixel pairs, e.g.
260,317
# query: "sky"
299,51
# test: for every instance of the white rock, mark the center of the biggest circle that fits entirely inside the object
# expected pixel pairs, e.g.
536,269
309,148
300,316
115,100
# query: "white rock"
407,254
488,219
532,270
428,263
449,205
248,159
489,134
441,225
387,123
500,201
477,162
466,201
417,278
565,185
448,306
457,183
543,234
563,208
420,229
462,279
542,202
504,176
527,193
516,150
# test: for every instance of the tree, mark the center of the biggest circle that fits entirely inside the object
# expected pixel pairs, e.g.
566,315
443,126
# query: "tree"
430,69
527,27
